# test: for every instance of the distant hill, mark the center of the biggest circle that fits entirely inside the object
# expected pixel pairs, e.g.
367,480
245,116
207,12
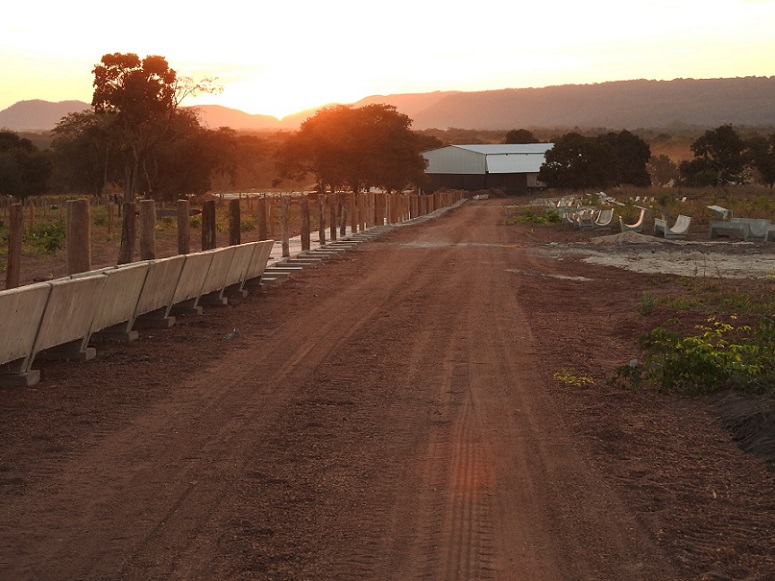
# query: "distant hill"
636,104
615,105
37,115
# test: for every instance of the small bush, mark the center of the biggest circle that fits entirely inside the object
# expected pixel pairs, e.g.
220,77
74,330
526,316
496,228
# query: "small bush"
531,217
48,237
722,356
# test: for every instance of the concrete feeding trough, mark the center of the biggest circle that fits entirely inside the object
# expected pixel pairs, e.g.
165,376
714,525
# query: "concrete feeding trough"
155,301
21,310
67,320
117,310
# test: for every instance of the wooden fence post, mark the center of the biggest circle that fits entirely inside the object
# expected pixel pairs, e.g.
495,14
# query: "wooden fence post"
332,215
128,233
285,204
322,218
261,213
305,223
353,212
270,208
208,225
78,236
15,235
147,229
343,213
184,226
234,223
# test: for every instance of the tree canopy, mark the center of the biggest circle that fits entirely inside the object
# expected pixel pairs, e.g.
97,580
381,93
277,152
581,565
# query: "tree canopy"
517,136
761,152
718,158
139,98
577,161
24,169
343,146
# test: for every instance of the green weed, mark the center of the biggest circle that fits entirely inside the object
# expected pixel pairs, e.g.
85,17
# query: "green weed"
647,303
567,377
47,238
721,356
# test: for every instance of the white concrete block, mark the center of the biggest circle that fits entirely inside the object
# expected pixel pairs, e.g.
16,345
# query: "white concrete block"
21,311
160,284
192,276
120,296
68,315
240,263
260,258
217,274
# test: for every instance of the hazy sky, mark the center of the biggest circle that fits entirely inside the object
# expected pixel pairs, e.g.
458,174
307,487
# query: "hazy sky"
281,57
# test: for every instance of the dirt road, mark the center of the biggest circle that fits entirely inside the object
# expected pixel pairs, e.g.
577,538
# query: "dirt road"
390,414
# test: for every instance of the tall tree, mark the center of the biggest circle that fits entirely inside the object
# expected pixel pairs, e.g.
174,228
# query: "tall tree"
577,161
662,169
761,152
721,150
630,156
357,148
141,97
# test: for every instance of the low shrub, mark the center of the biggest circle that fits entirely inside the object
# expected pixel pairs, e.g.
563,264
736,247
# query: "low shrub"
48,237
721,356
531,217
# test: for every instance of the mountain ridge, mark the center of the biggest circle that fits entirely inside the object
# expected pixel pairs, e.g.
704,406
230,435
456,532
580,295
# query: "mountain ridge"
641,103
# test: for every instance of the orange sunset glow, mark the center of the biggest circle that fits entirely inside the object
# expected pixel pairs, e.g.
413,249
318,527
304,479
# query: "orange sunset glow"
281,58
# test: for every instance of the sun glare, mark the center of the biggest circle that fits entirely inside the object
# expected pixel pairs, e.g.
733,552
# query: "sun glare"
280,93
299,57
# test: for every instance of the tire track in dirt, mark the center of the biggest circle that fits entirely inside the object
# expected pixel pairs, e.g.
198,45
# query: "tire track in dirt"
197,433
395,428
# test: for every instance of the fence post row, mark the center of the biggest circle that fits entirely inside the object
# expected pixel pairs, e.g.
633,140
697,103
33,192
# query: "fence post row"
361,210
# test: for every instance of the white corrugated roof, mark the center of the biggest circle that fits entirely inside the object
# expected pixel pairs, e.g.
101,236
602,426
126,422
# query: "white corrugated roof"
507,148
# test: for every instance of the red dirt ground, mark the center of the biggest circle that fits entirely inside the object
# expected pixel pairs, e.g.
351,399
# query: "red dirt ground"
388,414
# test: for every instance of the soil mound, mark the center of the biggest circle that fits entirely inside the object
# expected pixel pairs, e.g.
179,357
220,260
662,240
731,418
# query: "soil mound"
751,421
629,237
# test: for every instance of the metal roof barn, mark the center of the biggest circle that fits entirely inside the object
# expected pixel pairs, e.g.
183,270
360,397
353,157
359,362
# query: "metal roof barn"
510,167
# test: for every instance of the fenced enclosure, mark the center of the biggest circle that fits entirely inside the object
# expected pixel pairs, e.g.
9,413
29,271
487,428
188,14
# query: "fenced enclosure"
63,317
43,242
